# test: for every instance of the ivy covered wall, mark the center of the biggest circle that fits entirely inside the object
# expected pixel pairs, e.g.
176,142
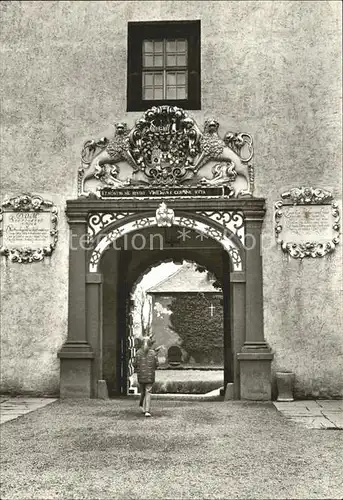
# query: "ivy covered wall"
194,322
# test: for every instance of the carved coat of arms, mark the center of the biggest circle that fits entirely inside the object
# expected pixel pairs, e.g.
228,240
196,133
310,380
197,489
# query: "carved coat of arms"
166,148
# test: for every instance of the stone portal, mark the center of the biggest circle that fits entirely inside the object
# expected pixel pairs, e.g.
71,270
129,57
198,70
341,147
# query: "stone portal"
137,189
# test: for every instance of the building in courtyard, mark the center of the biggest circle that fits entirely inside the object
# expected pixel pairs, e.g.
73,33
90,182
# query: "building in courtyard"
133,133
187,313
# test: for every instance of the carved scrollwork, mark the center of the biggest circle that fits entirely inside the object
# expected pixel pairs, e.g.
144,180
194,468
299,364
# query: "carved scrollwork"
309,248
26,255
24,219
305,196
166,148
99,220
223,174
230,220
144,222
25,203
237,142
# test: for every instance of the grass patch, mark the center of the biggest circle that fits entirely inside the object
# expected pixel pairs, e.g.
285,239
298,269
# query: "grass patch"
186,386
187,381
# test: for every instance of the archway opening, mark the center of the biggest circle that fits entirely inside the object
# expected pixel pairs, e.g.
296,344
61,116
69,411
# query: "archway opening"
181,305
123,263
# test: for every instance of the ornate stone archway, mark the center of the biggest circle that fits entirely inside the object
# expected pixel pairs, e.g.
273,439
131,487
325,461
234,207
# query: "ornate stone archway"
225,227
164,154
81,354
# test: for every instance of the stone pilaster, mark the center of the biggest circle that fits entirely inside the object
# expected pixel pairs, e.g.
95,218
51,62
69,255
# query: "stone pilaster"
76,354
255,357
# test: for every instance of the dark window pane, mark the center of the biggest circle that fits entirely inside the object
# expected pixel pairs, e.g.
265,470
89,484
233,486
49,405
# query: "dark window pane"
148,79
158,93
171,93
158,61
148,46
181,60
148,93
181,77
181,93
158,79
158,46
171,46
148,61
181,45
171,78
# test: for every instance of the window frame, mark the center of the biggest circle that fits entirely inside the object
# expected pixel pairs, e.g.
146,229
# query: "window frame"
157,30
166,69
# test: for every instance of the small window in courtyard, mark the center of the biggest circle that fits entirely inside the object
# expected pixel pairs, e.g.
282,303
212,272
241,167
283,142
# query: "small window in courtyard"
163,65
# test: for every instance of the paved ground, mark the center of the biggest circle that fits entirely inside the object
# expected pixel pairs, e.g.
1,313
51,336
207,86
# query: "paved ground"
319,414
12,408
188,450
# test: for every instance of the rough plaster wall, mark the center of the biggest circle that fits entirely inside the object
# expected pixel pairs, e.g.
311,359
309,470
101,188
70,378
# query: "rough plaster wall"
269,68
34,316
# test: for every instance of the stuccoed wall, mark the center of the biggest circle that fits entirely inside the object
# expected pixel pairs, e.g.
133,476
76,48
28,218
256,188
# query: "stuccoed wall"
272,69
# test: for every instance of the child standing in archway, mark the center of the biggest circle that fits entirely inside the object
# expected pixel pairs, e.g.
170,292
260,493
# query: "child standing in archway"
145,365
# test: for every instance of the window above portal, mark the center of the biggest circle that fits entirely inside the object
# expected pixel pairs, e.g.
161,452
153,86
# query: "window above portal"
165,69
163,65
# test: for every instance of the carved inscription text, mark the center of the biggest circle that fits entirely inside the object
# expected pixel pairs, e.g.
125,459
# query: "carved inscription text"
302,223
26,229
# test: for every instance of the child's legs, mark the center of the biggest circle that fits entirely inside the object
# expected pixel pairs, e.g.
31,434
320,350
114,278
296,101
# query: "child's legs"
142,391
147,398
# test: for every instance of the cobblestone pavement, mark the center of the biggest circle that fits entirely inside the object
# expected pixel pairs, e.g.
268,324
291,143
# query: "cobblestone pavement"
314,414
14,407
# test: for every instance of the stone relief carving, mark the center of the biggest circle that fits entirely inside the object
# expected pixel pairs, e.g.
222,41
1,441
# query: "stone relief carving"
164,216
25,203
29,228
321,223
166,148
307,195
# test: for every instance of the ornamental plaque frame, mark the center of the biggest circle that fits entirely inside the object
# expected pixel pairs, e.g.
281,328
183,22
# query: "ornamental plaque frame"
307,196
34,205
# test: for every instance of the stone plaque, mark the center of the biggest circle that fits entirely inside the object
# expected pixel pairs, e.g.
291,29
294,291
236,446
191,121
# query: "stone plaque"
28,228
307,222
